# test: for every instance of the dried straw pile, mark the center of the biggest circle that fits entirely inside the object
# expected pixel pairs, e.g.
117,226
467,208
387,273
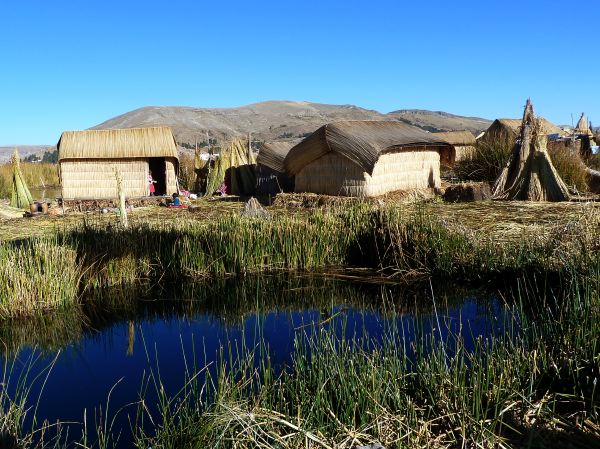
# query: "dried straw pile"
21,197
366,158
235,167
529,174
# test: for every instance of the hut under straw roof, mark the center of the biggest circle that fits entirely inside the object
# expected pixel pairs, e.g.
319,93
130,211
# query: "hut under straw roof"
462,141
271,177
367,158
89,159
508,130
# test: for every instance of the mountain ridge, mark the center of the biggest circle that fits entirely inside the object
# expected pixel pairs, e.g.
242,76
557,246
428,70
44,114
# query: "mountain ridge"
276,120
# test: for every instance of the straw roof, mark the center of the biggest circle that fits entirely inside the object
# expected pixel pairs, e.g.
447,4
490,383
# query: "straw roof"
514,126
117,143
362,142
272,154
462,138
582,125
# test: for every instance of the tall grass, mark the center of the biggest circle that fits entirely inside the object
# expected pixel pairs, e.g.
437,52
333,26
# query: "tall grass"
36,175
534,383
46,273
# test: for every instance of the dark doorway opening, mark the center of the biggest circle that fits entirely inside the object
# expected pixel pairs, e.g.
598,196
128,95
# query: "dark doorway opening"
158,171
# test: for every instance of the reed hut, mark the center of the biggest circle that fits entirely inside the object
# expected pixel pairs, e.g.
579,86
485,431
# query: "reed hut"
462,141
507,130
366,158
88,161
271,177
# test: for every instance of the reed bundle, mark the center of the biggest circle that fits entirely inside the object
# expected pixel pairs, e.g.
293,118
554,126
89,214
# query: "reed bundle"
21,197
235,166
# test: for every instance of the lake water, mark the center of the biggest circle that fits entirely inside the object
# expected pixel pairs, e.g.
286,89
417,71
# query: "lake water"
115,343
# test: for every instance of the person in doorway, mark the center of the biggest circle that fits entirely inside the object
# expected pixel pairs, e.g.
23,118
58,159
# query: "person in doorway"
151,183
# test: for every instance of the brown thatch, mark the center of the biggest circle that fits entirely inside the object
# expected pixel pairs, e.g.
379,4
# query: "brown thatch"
362,142
366,158
457,138
462,141
117,144
529,174
272,154
506,129
583,126
88,160
271,178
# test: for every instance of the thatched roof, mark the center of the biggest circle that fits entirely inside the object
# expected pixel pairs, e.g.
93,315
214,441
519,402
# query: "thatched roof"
272,154
360,141
461,138
117,143
514,126
582,125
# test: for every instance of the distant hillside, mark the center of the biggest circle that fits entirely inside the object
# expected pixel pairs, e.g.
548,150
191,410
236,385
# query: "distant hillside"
275,120
24,151
440,121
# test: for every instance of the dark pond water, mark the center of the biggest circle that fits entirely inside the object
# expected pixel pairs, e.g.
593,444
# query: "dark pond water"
113,344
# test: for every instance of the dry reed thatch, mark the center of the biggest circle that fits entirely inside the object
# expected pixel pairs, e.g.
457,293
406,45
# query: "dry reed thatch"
117,144
583,126
21,197
510,129
462,141
234,166
362,142
366,158
272,154
271,178
529,174
88,160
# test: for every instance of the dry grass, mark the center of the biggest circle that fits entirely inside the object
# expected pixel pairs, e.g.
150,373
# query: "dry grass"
36,175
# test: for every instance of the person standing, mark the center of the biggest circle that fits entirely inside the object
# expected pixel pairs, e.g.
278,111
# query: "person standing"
151,183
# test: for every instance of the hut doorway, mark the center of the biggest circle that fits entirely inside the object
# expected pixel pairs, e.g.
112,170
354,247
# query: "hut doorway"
158,170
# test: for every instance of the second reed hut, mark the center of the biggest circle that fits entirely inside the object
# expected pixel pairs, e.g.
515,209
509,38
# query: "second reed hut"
88,161
462,141
366,158
271,178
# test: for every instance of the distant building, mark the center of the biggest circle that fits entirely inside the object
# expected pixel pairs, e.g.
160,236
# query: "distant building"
462,141
89,159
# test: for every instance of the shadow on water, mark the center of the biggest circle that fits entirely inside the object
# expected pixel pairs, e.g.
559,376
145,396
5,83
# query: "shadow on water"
109,343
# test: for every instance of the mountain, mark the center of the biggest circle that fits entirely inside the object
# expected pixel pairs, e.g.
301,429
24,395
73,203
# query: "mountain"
275,120
24,151
440,121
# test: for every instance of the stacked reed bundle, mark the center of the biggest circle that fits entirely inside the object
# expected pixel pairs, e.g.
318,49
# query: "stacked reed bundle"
529,174
21,197
234,167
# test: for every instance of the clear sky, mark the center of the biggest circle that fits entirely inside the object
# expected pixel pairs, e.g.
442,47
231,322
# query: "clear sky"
73,64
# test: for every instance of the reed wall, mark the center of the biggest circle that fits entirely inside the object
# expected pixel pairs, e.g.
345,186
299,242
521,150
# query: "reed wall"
171,179
93,178
334,174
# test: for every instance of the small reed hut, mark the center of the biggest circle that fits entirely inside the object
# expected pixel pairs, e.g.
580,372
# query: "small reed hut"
462,141
367,158
88,161
271,177
508,130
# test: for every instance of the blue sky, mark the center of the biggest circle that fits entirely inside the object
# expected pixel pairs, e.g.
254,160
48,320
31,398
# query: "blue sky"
73,64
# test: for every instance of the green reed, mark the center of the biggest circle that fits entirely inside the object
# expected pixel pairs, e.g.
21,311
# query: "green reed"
532,385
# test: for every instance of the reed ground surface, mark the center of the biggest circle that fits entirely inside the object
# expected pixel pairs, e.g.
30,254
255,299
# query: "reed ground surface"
505,220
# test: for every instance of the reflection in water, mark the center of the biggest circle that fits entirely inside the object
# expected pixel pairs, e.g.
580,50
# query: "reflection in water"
116,336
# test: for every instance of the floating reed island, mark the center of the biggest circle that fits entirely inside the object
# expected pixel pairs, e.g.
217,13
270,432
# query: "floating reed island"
414,241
